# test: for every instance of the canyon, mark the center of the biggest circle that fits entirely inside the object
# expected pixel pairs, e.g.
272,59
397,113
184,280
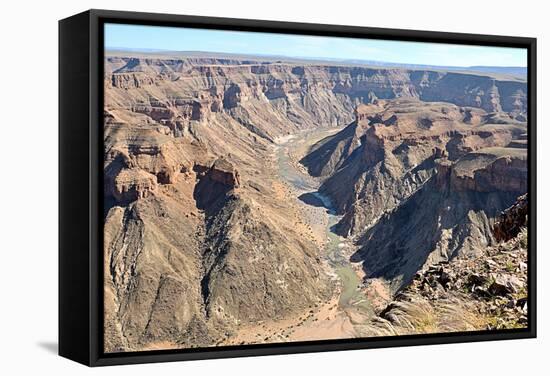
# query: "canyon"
257,200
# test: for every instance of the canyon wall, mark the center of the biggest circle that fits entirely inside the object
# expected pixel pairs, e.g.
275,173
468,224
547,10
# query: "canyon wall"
419,182
294,96
200,235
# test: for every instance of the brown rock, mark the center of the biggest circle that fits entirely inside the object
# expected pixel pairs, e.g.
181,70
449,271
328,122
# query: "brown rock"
223,172
132,184
512,220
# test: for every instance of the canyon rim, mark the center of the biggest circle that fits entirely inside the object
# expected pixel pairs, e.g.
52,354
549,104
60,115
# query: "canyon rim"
262,197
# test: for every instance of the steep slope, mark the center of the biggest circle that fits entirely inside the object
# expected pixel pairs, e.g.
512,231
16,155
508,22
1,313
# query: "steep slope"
396,145
451,214
417,183
486,291
197,236
328,155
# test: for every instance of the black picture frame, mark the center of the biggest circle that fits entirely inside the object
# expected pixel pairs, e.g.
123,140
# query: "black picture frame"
81,174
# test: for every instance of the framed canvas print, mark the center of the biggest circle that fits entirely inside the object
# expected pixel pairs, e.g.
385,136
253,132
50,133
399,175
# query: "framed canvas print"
239,187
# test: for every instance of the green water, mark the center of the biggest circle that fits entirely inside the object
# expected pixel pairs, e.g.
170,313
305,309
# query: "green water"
350,294
341,265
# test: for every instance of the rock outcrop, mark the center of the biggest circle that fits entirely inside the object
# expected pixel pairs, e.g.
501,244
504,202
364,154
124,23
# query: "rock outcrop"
418,183
132,184
450,214
215,182
512,220
223,172
392,149
488,291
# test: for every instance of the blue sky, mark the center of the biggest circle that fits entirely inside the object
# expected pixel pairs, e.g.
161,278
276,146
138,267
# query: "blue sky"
185,39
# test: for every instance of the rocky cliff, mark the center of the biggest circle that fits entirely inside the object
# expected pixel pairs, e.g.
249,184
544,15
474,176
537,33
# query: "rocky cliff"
442,219
512,220
197,237
391,150
419,182
487,291
290,96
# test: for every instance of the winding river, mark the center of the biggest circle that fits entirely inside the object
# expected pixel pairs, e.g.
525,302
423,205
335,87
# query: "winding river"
305,189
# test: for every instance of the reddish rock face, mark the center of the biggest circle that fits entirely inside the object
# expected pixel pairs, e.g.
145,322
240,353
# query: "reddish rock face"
133,184
505,174
215,184
159,113
223,172
131,80
167,176
232,97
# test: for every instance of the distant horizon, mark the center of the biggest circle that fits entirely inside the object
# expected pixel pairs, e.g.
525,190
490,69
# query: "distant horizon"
150,39
312,58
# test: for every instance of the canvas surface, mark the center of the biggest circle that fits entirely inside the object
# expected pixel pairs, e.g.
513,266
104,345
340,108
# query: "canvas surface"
262,188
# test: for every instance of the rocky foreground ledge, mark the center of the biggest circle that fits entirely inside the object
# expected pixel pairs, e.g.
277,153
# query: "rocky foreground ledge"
484,292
